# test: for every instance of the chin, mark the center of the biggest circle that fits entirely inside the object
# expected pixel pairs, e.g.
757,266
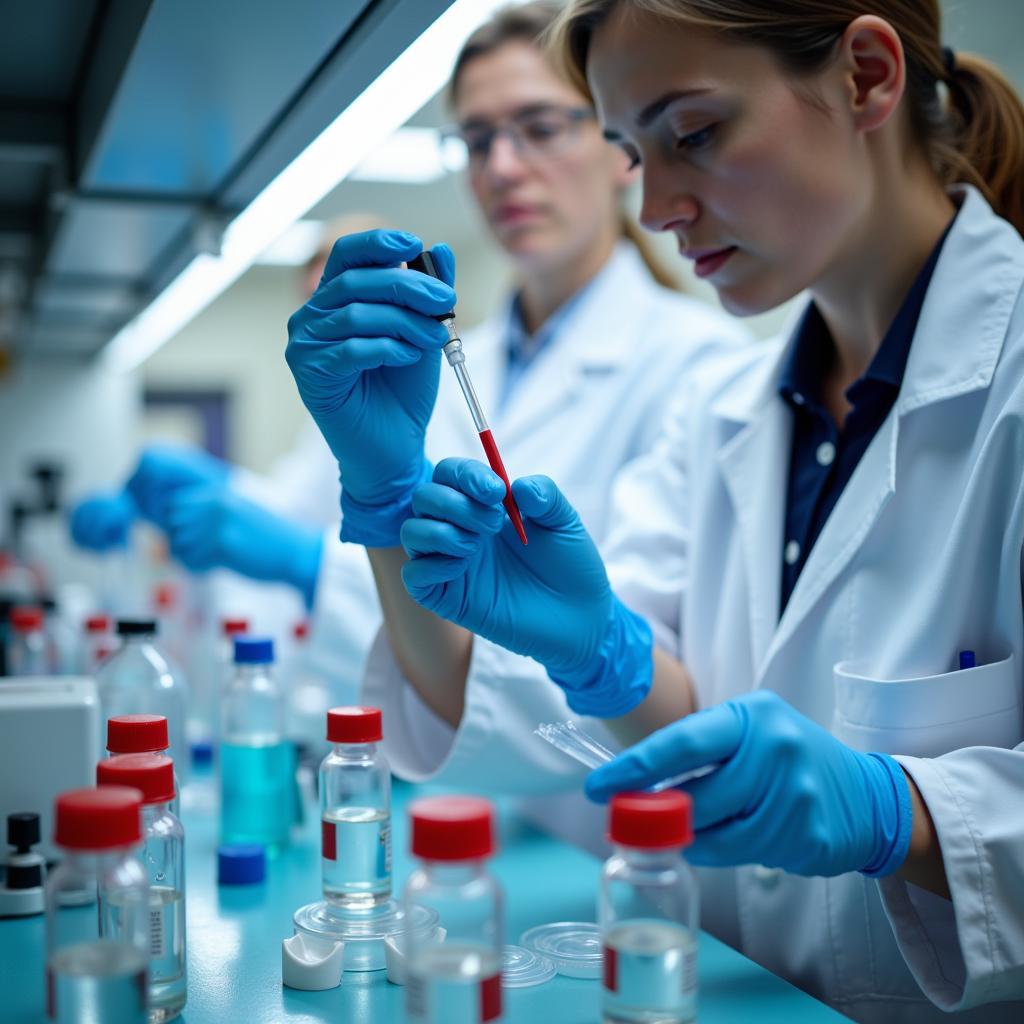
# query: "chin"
750,298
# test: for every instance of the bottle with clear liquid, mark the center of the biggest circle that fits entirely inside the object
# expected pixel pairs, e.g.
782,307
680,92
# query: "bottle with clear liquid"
355,811
141,734
98,644
31,652
97,965
256,762
457,981
648,912
138,680
163,857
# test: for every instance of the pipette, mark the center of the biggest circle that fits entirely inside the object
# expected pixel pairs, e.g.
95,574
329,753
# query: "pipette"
424,263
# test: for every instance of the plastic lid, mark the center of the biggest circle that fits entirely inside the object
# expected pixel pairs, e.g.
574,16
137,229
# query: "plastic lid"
452,828
98,624
354,724
574,947
26,618
300,630
651,821
232,627
137,734
23,829
151,774
165,595
254,650
202,752
241,863
136,627
521,968
97,819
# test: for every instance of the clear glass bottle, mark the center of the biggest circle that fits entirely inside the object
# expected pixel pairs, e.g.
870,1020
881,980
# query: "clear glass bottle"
141,734
457,981
648,912
256,762
163,857
355,811
65,638
31,652
99,642
98,973
139,680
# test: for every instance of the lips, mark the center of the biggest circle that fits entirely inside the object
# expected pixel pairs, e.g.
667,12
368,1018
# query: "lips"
707,261
515,213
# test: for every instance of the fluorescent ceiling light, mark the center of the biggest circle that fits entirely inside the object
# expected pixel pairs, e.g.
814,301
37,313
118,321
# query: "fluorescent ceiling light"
295,247
385,105
410,156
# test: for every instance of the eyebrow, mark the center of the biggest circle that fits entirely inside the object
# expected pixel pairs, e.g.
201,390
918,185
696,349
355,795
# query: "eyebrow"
654,110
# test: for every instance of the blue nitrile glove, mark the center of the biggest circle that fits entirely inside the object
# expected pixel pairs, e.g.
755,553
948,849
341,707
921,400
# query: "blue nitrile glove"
163,469
785,794
549,600
365,354
103,521
214,527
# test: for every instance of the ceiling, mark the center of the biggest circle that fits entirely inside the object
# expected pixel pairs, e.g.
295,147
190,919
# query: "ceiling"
131,131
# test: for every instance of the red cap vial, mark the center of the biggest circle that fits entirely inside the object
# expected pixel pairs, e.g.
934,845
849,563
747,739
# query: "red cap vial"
354,725
137,734
452,828
232,627
651,821
26,618
151,774
98,819
99,624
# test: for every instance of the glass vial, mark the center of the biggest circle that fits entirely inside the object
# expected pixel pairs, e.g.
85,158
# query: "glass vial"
98,644
32,652
98,973
648,912
256,762
141,734
355,811
457,981
163,857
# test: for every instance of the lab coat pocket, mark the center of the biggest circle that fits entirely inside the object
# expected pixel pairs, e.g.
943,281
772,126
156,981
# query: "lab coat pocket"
931,715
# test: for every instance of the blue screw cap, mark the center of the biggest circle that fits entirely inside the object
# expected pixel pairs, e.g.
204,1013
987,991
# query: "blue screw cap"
254,650
241,864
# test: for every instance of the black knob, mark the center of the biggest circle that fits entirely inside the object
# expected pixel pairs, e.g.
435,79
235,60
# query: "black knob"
23,830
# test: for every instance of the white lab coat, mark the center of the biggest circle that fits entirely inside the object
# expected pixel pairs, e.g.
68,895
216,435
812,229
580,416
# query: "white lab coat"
920,558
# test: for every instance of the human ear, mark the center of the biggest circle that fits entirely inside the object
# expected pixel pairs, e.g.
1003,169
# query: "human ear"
874,65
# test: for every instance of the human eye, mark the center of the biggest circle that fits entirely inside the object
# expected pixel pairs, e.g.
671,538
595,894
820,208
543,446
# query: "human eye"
542,127
697,140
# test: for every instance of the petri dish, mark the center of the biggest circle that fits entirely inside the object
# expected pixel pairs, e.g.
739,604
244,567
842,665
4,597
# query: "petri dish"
573,947
521,967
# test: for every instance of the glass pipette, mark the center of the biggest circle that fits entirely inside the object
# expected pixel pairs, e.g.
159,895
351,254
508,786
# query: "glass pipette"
424,263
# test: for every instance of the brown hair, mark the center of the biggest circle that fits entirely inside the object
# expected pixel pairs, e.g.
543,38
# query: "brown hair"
528,23
973,133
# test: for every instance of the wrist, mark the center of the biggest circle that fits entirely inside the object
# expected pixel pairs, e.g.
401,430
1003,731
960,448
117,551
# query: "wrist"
620,674
893,817
378,524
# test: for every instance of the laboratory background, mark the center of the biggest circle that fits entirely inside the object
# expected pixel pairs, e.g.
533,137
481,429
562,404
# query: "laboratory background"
172,175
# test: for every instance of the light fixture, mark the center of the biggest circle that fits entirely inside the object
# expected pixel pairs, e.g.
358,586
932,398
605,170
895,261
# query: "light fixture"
410,156
295,247
385,105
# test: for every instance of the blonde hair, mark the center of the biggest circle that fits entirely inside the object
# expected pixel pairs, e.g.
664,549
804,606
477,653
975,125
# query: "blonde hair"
972,131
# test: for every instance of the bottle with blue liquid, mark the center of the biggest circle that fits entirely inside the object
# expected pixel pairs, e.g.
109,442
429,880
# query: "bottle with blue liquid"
256,762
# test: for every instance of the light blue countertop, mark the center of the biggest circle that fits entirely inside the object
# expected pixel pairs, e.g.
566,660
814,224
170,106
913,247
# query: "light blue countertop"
235,934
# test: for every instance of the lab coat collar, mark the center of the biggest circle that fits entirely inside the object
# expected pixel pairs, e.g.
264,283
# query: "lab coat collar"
957,345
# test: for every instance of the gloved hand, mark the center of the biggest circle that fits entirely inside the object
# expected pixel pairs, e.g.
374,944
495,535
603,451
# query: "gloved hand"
103,521
214,527
785,793
164,469
365,354
549,600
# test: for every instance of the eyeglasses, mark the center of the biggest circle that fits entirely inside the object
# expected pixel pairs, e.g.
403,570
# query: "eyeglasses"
536,133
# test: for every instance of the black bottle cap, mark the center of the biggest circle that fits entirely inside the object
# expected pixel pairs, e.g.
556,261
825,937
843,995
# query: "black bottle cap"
135,627
23,830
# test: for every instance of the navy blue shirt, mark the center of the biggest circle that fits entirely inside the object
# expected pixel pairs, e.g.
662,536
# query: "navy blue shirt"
823,455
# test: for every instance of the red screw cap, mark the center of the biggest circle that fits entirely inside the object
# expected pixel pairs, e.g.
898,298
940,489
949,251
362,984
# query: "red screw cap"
151,774
165,595
300,630
233,627
137,734
99,624
26,618
354,725
98,819
651,821
452,828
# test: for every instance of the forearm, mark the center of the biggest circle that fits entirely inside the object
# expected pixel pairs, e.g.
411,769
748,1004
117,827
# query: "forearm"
433,653
671,697
924,866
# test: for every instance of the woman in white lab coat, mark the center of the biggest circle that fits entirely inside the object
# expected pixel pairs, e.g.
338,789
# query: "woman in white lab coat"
828,536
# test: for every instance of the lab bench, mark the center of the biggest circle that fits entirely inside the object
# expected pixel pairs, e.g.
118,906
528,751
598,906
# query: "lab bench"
235,934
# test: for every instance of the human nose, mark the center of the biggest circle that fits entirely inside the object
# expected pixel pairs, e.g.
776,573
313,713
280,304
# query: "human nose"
666,201
503,160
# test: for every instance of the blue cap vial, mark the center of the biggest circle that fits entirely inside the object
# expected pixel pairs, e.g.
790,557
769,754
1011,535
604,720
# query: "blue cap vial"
241,864
253,650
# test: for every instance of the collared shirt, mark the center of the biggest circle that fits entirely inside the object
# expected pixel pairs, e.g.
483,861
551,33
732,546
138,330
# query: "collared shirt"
823,457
